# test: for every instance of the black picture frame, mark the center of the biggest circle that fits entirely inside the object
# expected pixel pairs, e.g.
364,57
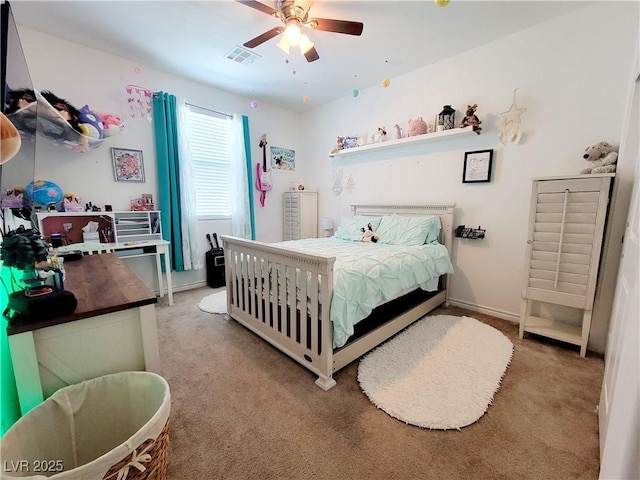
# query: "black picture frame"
477,166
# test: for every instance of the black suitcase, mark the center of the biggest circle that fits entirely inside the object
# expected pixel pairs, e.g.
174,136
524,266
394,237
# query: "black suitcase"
214,262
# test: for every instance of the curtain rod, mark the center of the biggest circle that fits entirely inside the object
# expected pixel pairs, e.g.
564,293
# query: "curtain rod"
209,110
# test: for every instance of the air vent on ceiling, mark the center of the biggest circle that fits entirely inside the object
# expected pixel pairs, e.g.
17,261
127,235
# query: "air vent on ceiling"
241,55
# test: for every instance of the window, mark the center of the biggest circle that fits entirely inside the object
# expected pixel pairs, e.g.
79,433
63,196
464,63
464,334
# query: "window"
209,141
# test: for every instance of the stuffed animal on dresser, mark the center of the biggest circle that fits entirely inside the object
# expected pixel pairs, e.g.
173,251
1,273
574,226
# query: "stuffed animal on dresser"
602,158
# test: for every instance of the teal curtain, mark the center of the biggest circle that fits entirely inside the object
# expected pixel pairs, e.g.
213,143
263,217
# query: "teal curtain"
165,126
247,149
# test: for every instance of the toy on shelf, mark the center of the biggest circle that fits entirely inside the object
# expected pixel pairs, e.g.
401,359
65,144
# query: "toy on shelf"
60,122
602,158
112,124
471,119
417,127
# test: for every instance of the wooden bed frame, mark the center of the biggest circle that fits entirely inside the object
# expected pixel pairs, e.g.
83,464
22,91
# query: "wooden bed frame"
310,342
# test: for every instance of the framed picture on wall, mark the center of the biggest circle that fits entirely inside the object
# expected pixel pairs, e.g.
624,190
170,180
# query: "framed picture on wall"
477,166
283,159
127,165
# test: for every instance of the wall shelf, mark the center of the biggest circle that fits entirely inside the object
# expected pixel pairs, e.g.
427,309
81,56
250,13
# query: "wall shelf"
418,139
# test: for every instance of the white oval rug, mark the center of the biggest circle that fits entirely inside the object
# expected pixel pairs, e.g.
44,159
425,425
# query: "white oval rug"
441,373
214,303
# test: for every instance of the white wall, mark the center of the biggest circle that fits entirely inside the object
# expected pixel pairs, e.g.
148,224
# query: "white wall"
571,74
87,76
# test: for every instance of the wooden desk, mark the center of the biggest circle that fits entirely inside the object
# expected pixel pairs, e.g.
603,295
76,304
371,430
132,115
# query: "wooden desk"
159,248
113,329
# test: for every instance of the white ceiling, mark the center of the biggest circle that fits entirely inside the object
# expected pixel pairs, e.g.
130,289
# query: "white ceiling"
193,38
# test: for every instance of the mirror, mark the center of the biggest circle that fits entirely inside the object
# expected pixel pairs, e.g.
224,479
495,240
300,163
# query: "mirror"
19,170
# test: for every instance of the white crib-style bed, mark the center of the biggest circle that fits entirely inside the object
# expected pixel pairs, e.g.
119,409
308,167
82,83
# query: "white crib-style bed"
270,304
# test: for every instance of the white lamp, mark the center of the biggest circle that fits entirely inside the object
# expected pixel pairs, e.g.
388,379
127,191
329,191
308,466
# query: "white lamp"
327,225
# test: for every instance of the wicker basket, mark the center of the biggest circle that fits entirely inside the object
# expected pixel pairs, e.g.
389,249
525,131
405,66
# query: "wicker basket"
114,427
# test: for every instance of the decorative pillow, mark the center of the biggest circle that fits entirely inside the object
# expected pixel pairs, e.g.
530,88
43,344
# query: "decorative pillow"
350,228
407,230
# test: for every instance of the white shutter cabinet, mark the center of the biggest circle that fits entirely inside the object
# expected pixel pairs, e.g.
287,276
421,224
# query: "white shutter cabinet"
300,215
566,229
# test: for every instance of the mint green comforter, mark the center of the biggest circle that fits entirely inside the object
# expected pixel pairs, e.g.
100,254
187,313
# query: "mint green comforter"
367,274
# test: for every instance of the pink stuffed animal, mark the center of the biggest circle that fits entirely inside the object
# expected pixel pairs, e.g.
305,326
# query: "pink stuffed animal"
417,127
112,124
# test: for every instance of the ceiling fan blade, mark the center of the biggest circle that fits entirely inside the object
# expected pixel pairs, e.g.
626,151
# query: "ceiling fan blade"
336,26
311,55
260,6
260,39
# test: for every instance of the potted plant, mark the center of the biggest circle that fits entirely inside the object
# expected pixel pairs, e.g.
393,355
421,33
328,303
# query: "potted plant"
22,249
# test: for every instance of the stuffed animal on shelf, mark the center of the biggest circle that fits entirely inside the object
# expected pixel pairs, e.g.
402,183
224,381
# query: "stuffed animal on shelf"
417,127
17,99
368,235
90,123
65,109
602,157
72,203
470,119
338,146
112,124
380,135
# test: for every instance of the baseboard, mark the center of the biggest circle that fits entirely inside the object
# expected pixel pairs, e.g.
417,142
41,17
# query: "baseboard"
184,287
510,316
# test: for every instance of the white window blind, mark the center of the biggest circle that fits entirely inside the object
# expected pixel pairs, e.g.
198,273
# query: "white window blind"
209,141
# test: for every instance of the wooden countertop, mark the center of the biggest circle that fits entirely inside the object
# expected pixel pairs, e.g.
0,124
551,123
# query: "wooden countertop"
101,284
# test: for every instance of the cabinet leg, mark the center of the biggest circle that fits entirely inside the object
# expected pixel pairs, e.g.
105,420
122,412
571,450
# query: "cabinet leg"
525,311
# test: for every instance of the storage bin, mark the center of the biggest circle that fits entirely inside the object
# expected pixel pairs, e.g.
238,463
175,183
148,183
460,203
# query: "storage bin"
111,427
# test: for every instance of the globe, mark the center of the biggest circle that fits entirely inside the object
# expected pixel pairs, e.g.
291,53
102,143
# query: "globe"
43,192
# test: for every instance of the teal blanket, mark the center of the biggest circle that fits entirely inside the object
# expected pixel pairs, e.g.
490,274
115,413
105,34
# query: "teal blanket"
367,274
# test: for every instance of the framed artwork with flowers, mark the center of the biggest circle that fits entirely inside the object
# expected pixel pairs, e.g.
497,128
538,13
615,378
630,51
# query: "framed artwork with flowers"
127,165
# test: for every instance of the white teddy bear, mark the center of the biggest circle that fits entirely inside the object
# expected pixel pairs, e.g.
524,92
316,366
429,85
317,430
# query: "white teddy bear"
602,157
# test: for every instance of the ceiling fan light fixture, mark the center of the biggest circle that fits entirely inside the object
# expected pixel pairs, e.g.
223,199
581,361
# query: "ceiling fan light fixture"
293,33
283,45
305,44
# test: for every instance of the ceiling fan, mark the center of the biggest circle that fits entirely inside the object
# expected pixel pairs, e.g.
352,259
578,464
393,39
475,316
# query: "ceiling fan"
294,18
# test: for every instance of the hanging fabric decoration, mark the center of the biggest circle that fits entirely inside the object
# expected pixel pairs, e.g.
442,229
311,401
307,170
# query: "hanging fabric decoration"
351,184
139,102
509,123
337,183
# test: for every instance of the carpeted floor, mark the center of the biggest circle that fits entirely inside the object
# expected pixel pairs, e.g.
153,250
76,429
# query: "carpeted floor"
243,410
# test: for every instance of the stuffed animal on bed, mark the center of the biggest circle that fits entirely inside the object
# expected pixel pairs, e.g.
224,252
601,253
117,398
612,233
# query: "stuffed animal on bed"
368,235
